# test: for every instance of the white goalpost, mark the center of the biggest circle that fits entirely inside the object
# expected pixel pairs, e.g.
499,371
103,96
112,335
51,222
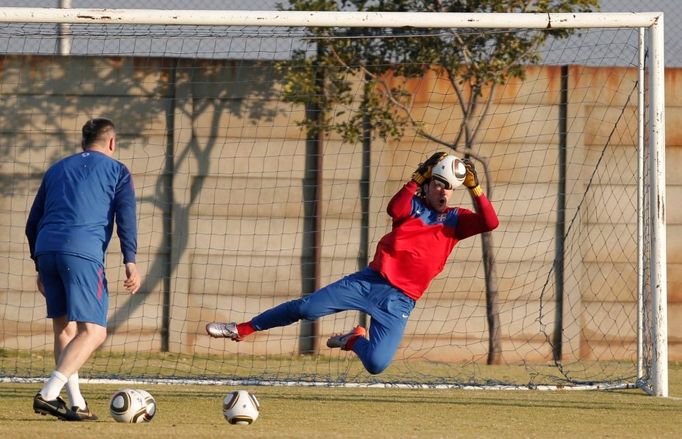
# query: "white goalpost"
241,208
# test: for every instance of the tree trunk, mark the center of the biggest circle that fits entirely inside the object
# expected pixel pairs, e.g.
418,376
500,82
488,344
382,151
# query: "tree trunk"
491,301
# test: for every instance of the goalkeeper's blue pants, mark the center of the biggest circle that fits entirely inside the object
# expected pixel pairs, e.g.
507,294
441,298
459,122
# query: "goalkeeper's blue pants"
365,291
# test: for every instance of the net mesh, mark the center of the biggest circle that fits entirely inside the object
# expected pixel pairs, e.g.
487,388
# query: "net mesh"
238,212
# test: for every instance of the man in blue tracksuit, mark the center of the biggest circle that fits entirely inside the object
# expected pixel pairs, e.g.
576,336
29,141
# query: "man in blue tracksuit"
68,230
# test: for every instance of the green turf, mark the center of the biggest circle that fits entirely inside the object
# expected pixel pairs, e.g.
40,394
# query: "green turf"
297,412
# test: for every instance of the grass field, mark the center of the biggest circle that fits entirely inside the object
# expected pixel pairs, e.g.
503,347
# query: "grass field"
297,412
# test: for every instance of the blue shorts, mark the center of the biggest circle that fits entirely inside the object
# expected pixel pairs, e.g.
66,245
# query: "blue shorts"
74,287
365,291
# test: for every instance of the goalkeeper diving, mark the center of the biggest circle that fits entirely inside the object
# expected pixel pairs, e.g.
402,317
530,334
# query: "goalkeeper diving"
425,230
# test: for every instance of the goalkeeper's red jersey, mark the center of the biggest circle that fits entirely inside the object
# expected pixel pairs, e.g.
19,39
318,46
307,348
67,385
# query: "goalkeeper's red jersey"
417,247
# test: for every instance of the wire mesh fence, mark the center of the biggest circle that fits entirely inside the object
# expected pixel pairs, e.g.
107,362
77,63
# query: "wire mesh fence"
671,8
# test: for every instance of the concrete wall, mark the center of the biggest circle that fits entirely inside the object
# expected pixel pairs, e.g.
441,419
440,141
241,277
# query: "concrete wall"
220,172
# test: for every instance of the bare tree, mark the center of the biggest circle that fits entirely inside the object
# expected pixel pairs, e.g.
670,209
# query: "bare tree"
474,63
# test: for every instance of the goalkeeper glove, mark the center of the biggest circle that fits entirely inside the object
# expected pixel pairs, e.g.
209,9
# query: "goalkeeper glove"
471,179
423,171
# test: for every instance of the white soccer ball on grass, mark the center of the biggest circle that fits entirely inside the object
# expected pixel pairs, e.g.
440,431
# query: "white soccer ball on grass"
241,407
132,406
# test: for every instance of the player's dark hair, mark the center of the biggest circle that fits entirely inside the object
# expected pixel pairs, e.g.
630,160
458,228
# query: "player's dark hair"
93,130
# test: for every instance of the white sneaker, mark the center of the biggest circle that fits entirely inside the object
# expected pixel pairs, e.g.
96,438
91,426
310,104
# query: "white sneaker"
223,330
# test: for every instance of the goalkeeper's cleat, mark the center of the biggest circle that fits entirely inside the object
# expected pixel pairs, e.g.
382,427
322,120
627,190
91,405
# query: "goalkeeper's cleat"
84,414
223,330
346,341
56,407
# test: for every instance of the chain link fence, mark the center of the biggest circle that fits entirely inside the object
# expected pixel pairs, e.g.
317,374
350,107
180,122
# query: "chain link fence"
673,14
671,8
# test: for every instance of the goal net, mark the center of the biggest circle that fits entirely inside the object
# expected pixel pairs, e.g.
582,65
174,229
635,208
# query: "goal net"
263,166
